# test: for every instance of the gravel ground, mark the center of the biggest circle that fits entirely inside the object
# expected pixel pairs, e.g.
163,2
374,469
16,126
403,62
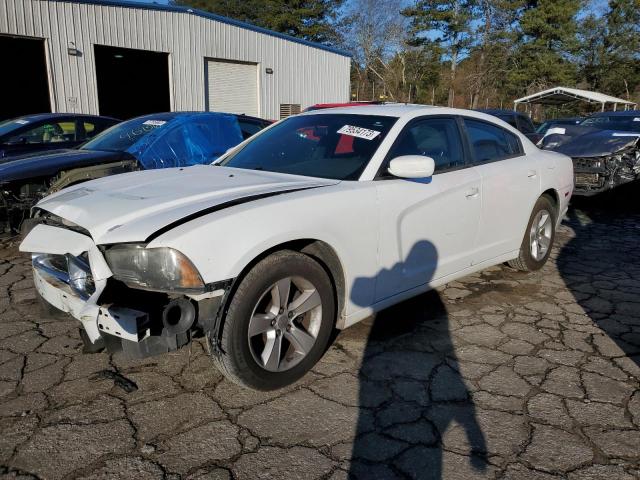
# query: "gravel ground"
500,375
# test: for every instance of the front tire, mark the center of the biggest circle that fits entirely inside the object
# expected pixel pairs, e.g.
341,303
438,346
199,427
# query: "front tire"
538,238
278,323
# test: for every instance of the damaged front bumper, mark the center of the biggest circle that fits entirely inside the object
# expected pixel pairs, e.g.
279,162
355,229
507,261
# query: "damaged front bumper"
71,274
598,174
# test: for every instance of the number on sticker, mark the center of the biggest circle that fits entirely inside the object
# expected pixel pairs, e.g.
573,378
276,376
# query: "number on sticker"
359,132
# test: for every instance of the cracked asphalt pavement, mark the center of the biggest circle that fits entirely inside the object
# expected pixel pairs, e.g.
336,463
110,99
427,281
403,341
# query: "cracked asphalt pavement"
499,375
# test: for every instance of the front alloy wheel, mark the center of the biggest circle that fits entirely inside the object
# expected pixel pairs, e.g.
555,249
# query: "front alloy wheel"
278,322
285,323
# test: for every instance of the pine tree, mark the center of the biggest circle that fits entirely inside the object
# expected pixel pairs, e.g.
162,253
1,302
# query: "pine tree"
447,23
547,42
309,19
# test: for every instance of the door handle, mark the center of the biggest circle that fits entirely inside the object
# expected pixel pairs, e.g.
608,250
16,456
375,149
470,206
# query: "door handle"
532,174
473,193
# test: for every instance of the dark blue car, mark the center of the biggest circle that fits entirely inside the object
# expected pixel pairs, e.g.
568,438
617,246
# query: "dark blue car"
49,131
162,140
605,149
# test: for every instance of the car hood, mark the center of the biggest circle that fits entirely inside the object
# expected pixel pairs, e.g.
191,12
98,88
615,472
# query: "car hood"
579,141
137,206
40,164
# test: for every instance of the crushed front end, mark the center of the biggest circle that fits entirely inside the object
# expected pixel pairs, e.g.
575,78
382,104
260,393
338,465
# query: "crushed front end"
15,202
107,293
598,174
602,159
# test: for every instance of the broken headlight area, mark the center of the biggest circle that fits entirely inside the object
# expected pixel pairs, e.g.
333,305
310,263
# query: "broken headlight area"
74,271
158,269
142,323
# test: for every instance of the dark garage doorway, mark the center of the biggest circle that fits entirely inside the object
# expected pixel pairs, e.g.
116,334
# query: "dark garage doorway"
24,86
131,82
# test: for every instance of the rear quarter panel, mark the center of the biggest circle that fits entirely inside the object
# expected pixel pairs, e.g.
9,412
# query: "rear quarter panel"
556,173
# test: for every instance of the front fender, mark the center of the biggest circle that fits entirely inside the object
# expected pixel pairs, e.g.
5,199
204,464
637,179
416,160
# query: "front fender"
223,243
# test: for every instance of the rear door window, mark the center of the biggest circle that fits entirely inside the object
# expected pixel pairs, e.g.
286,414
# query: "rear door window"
490,142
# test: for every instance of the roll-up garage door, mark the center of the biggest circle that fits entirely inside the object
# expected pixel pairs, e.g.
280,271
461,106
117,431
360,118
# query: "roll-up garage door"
233,87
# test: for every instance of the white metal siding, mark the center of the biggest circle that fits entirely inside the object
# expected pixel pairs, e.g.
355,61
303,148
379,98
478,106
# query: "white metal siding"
301,73
233,87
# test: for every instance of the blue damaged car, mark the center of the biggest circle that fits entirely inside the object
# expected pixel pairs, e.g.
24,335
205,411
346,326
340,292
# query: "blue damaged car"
161,140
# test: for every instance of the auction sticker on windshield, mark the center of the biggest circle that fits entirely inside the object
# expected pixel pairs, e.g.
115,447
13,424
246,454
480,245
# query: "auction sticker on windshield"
359,132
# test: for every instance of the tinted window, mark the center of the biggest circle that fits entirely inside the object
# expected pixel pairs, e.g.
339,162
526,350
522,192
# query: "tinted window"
8,126
438,138
621,123
335,146
510,119
490,142
249,127
525,124
49,132
91,129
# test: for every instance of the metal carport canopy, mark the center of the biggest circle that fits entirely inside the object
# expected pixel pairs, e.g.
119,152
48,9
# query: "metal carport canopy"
562,95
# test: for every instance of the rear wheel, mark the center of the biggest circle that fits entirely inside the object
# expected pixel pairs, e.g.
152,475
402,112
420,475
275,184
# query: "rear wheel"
538,238
278,323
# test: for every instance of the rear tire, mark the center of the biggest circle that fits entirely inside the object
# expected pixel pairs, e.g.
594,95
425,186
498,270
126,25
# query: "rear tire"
538,237
268,339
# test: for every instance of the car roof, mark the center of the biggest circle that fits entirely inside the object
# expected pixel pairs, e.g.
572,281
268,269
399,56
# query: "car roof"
167,116
36,117
498,111
620,113
387,110
402,110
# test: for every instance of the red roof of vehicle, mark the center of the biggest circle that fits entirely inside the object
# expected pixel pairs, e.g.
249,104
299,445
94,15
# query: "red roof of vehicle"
319,106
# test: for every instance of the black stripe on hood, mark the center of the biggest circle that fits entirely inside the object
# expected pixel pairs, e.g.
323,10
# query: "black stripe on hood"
222,206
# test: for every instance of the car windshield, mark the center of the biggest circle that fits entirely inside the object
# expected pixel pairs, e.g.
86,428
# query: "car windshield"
121,136
622,123
9,126
336,146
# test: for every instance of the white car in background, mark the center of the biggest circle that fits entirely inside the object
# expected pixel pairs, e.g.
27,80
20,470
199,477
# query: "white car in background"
315,223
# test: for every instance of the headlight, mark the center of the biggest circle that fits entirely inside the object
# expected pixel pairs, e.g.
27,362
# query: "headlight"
162,268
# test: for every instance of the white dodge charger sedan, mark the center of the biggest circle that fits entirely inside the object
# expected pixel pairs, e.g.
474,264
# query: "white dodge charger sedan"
313,224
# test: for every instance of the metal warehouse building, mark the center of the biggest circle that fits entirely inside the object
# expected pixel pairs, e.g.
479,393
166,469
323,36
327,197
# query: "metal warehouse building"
125,59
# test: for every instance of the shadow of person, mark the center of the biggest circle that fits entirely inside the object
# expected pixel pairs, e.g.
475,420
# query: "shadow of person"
600,266
411,391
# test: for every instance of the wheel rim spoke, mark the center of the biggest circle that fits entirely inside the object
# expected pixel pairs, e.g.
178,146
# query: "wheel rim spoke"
281,333
301,340
308,300
280,293
540,234
272,351
544,244
260,323
543,220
